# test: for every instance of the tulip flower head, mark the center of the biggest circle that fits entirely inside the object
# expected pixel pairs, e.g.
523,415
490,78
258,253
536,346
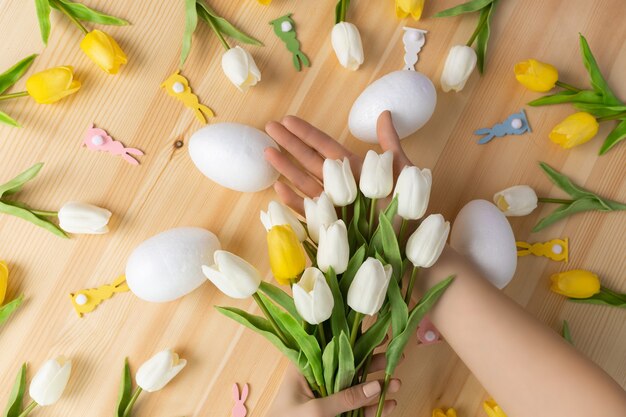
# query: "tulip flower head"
333,249
346,41
233,275
240,68
459,65
319,212
536,76
287,257
438,412
313,297
519,200
339,182
575,130
52,85
369,287
413,192
81,218
49,382
102,49
575,284
159,370
278,214
377,175
409,7
426,244
493,409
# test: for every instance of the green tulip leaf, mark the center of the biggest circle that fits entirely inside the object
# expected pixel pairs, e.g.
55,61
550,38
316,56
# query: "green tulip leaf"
566,210
9,308
13,74
18,182
398,343
604,297
224,26
338,322
565,332
564,183
13,210
191,22
567,96
469,7
597,80
371,338
376,242
329,362
14,406
6,119
292,342
601,110
311,252
346,370
43,16
353,266
82,12
399,309
616,136
125,390
482,39
391,248
280,297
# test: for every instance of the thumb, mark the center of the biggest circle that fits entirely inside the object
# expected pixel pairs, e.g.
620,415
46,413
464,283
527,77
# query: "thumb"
389,141
350,399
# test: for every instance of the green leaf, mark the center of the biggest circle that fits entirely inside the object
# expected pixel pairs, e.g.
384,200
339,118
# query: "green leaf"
329,362
399,309
13,74
469,7
616,136
390,246
43,15
12,210
125,390
18,182
311,252
597,80
567,96
338,321
6,119
353,266
565,184
14,406
281,298
398,343
225,27
9,308
371,338
292,342
600,110
566,210
566,333
604,297
82,12
482,39
346,370
191,22
376,244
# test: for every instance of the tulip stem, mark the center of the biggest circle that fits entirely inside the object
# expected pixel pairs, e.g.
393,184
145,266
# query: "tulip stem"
383,395
356,325
28,409
343,11
43,213
131,402
370,226
613,117
344,214
269,317
567,86
67,13
403,226
218,34
409,289
479,28
554,200
13,95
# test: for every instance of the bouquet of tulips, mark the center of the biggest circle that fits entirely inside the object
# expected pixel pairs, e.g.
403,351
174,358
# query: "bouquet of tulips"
352,294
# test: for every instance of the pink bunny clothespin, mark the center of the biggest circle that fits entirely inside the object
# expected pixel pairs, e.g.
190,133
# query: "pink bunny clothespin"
239,410
97,139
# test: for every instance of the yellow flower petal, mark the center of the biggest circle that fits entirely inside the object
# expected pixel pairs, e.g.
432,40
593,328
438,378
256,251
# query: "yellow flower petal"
493,409
535,75
102,49
52,85
4,281
575,130
287,257
438,412
264,2
575,284
412,7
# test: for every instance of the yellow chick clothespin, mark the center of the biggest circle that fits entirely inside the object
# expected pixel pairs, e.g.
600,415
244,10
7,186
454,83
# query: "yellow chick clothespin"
555,249
86,301
178,87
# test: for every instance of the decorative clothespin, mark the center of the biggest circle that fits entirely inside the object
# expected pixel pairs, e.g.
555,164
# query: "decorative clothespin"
178,87
285,29
86,301
413,40
427,333
97,139
555,249
515,124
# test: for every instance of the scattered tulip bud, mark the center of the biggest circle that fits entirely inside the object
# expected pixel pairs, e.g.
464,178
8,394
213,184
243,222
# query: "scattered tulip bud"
52,85
49,382
159,370
575,284
535,75
81,218
519,200
346,41
459,65
102,49
575,130
240,68
409,7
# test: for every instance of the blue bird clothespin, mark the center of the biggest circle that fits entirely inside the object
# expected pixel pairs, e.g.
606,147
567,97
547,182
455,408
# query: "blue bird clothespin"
515,124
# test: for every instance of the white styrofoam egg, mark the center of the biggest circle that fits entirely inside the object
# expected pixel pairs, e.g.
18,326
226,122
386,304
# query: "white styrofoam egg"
169,265
231,154
409,95
483,234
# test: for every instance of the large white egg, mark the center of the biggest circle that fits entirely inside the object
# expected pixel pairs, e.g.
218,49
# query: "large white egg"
231,154
169,265
484,235
409,95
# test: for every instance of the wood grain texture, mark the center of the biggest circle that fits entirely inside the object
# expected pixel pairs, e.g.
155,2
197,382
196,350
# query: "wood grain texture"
167,191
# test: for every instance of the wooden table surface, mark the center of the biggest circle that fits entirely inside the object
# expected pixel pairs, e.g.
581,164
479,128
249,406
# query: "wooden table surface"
167,191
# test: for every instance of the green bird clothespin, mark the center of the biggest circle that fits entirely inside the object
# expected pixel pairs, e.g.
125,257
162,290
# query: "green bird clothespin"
285,29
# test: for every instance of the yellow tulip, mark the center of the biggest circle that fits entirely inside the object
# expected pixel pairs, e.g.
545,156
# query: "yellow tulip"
575,130
102,49
52,85
4,281
536,76
493,409
409,7
438,412
575,284
287,257
265,2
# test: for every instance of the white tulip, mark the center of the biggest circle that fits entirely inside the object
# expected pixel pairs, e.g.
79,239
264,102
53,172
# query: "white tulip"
49,382
319,212
240,68
160,369
413,192
339,182
333,248
369,288
426,244
232,275
81,218
377,175
346,41
518,200
459,65
277,215
313,297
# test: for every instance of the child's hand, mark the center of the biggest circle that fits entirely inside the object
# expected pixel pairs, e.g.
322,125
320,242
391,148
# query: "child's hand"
309,146
295,398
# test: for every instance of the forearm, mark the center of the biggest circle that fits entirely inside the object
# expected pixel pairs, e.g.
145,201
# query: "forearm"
528,368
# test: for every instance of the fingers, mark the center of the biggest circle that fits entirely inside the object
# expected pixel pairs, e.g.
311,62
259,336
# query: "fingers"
299,178
315,138
305,155
289,197
354,398
390,141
